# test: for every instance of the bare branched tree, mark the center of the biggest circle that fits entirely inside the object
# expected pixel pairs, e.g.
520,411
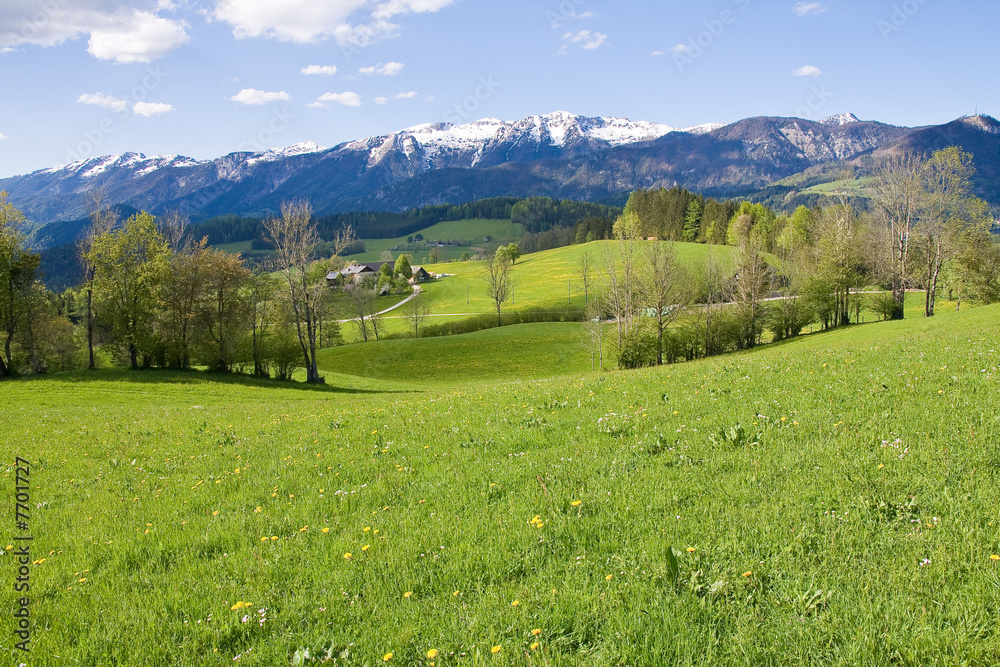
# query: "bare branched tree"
663,288
896,199
295,238
499,281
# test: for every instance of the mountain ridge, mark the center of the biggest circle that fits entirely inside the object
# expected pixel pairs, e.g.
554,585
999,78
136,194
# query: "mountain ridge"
558,155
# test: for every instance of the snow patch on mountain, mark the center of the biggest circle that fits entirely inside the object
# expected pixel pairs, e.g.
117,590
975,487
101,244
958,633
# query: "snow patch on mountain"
841,119
275,154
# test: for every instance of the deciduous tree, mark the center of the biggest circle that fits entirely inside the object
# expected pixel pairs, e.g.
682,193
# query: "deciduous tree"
499,280
128,265
18,268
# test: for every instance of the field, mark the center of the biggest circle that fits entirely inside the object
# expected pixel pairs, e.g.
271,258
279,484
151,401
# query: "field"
548,280
467,234
830,500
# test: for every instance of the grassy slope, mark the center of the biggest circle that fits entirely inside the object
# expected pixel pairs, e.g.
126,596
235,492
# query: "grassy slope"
857,528
544,278
469,234
508,353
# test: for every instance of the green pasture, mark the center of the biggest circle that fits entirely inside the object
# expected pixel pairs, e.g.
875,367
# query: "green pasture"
468,234
526,351
831,500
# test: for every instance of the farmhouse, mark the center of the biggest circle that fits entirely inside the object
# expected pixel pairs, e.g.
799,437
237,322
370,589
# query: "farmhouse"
353,273
358,272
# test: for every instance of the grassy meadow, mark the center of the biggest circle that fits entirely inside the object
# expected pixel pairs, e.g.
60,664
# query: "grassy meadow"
549,279
467,235
828,500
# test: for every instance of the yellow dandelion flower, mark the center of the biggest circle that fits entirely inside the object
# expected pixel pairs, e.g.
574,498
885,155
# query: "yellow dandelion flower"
536,632
515,603
366,547
431,654
408,594
215,513
457,593
326,530
387,657
303,529
495,649
80,581
274,537
348,556
609,577
576,503
994,557
257,510
264,539
748,574
691,550
534,646
367,529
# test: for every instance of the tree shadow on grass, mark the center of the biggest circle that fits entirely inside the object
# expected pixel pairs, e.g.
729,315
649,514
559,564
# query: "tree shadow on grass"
200,377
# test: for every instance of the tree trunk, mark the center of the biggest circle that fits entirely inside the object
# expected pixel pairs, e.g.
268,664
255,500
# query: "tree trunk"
659,344
90,329
5,360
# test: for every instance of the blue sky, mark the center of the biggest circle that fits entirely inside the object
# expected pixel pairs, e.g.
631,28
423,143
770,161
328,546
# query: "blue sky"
203,78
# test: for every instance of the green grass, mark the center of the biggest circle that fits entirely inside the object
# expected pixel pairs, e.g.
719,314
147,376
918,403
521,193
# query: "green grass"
233,248
852,187
527,351
832,500
469,235
549,279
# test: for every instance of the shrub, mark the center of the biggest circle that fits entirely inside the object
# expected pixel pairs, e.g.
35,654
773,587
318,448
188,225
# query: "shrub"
638,347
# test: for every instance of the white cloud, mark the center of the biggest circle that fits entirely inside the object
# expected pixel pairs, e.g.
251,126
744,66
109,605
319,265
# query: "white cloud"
350,22
347,99
252,96
6,49
138,37
3,136
808,70
680,48
102,100
807,8
151,108
325,70
585,39
401,96
120,31
388,69
656,53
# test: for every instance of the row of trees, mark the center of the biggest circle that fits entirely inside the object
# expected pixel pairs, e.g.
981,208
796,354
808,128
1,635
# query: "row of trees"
154,296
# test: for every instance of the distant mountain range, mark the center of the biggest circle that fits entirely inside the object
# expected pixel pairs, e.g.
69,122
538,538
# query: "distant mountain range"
557,155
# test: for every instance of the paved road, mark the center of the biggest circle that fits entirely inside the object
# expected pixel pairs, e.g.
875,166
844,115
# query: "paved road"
416,292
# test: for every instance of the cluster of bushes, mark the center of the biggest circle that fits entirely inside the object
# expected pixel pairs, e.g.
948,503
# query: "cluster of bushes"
702,333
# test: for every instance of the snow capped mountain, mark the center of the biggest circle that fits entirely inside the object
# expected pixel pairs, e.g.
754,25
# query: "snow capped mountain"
274,154
841,119
553,155
490,141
